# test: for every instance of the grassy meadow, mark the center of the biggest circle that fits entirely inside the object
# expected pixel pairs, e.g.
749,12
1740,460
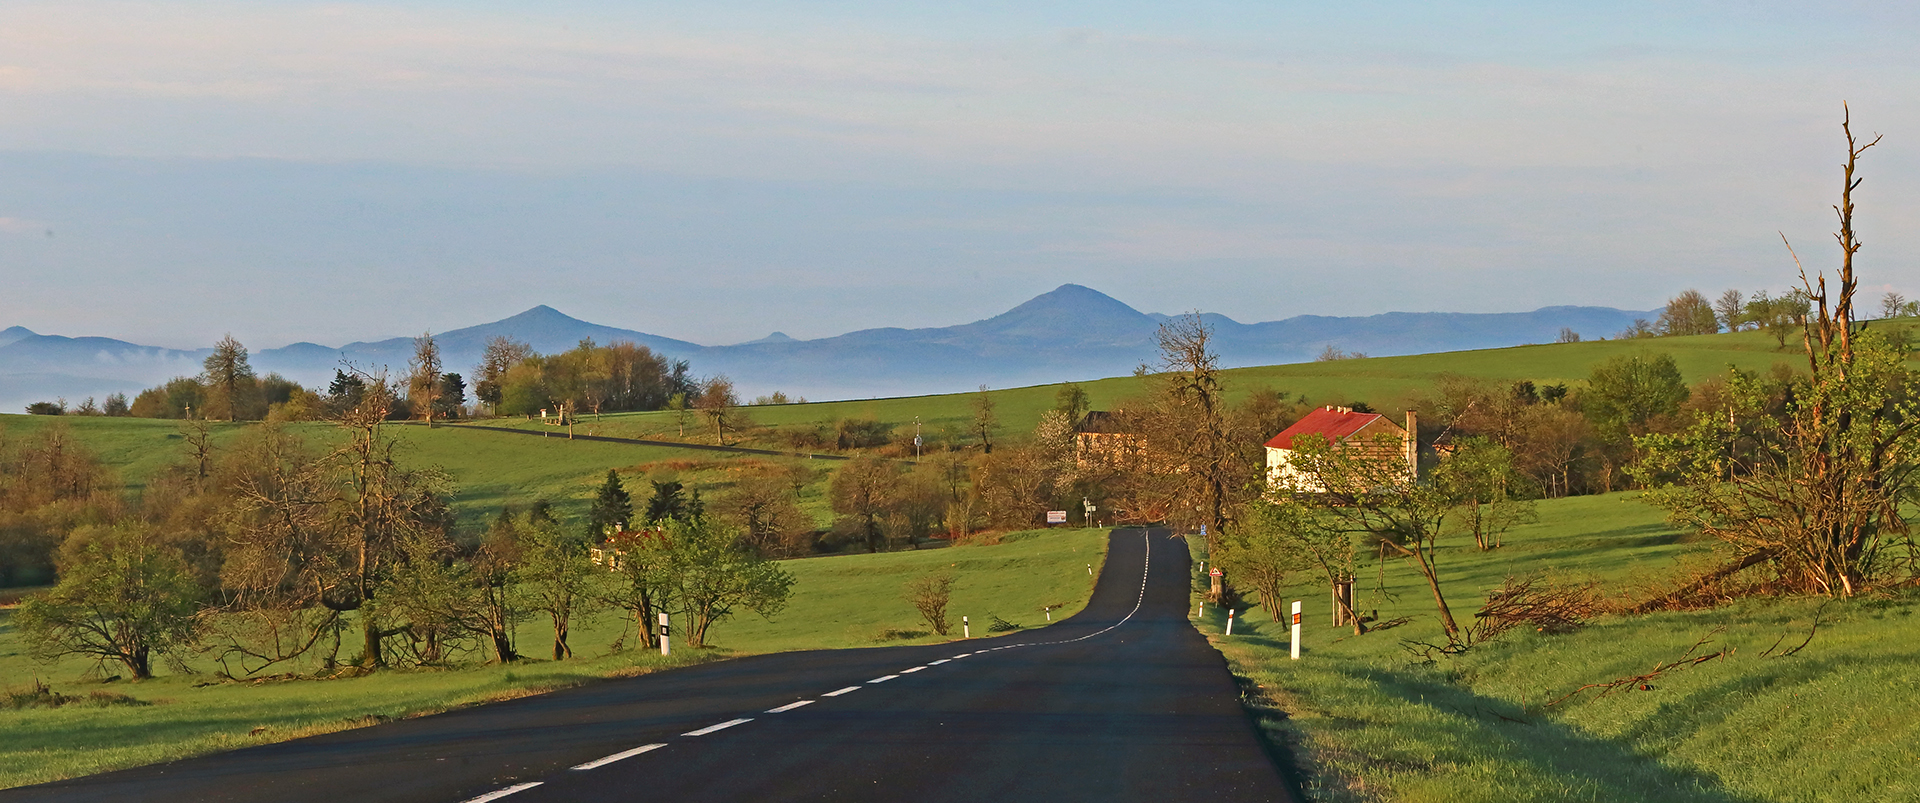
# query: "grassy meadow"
492,469
1384,382
844,601
1370,720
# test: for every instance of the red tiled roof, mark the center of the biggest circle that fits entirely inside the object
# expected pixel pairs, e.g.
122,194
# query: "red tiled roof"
1335,425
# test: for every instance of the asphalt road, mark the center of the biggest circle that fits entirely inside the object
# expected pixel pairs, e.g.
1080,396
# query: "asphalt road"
1124,701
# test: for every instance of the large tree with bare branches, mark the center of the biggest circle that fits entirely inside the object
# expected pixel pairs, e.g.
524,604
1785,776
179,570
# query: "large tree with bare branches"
1812,490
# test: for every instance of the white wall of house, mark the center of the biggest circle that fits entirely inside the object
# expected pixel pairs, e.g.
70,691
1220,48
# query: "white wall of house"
1282,475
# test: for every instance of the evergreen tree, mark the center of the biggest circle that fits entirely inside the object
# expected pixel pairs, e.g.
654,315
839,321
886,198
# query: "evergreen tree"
670,502
612,508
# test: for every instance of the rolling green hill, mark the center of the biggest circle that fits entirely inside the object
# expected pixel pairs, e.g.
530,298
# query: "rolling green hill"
1382,382
492,469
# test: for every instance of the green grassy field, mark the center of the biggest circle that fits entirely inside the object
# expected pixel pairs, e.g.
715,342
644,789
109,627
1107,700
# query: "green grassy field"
1383,382
849,601
493,469
489,469
1371,721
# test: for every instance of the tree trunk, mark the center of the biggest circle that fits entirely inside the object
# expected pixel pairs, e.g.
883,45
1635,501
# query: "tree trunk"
371,653
561,651
643,619
1433,582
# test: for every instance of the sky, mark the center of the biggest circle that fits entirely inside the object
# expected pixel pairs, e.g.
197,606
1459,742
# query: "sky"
289,171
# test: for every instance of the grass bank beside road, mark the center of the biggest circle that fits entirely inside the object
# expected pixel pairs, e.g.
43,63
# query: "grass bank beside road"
1837,721
847,601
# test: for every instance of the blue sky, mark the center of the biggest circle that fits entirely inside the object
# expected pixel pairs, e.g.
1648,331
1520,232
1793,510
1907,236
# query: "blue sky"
332,171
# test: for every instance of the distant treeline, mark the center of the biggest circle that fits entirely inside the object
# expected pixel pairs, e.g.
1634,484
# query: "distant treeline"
511,379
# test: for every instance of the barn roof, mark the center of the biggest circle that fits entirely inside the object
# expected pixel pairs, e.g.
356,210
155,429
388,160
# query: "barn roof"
1336,424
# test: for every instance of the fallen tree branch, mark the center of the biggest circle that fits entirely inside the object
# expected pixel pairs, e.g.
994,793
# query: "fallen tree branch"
1803,644
1702,582
1687,660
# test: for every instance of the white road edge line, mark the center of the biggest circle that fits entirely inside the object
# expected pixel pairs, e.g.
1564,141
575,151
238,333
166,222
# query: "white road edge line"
598,763
911,671
839,692
1145,568
720,727
883,678
939,662
789,707
960,656
500,793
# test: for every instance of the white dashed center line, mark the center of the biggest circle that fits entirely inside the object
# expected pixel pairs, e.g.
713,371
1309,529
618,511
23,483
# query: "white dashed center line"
720,727
496,795
598,763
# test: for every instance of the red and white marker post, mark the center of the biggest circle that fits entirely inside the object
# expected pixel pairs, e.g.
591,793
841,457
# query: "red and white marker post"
1296,630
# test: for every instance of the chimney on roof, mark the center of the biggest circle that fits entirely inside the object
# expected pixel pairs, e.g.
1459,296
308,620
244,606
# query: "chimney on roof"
1413,444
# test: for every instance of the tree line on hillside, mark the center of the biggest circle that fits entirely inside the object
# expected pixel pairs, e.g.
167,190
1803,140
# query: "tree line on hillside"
273,551
511,379
1780,315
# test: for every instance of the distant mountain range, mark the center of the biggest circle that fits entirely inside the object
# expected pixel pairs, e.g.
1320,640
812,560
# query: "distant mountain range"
1071,333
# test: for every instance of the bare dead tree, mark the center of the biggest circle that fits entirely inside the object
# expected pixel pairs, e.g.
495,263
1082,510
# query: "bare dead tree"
1818,494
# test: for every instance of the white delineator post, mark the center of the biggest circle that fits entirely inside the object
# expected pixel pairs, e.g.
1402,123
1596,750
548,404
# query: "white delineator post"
1296,630
665,648
1229,621
966,628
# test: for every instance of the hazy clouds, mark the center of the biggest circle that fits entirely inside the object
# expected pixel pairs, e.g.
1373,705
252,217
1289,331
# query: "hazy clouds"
294,171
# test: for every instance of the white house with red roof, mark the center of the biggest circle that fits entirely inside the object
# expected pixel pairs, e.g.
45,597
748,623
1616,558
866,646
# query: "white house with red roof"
1342,428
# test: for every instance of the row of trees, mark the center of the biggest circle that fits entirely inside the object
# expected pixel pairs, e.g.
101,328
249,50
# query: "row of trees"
269,551
228,388
513,379
1690,313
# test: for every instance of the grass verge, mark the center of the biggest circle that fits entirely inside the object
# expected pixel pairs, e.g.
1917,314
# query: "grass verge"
1368,720
848,601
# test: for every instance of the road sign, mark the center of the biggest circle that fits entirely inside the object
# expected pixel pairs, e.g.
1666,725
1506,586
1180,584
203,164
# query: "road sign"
1056,517
1215,572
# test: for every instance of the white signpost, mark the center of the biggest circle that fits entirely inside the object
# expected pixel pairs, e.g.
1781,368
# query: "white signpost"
1296,630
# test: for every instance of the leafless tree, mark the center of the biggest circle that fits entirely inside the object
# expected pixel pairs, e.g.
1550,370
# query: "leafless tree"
229,376
1730,310
983,419
1817,489
423,376
721,405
